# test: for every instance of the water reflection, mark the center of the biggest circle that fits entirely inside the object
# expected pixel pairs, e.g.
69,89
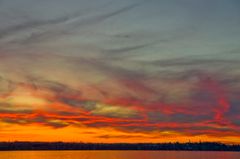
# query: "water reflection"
117,155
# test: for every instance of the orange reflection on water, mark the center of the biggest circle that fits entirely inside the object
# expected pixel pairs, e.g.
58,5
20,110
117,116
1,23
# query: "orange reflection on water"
118,155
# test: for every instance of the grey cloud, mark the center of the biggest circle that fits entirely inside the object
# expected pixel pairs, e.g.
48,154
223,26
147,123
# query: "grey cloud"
56,87
31,24
100,18
63,29
125,49
31,21
101,109
155,117
38,119
124,52
189,62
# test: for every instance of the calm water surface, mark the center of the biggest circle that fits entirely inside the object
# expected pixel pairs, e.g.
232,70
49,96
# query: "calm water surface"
117,155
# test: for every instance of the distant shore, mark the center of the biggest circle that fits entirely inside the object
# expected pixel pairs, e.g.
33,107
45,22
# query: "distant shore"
200,146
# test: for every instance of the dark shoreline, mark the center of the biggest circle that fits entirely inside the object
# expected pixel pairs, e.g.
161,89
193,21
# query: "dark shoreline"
200,146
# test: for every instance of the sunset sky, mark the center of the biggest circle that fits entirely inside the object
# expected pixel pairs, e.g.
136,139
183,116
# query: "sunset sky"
120,70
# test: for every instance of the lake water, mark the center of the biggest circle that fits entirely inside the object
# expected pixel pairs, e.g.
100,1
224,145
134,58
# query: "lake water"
117,155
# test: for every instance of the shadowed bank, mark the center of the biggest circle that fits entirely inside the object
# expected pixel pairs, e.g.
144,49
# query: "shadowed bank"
205,146
110,71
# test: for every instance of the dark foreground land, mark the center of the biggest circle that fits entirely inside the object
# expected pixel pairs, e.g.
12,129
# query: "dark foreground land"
201,146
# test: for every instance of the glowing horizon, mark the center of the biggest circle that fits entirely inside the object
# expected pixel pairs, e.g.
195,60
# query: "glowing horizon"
120,71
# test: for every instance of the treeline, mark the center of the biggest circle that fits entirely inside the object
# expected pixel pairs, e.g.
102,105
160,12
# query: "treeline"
201,146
